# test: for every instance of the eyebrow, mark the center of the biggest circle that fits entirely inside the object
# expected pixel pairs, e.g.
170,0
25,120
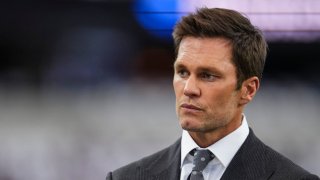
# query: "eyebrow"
214,70
178,65
208,69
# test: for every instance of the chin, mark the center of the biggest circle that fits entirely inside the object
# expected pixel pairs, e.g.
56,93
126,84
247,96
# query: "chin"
191,125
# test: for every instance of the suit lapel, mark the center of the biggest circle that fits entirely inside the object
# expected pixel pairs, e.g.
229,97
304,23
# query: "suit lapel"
249,161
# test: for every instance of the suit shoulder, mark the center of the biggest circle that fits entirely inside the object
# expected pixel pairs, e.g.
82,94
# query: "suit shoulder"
140,167
141,163
284,168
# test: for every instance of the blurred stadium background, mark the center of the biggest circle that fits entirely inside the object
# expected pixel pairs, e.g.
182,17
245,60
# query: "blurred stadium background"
85,86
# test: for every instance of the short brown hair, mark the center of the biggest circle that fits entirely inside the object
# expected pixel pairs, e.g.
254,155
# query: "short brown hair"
249,48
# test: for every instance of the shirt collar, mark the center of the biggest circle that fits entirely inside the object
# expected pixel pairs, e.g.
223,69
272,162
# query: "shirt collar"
224,149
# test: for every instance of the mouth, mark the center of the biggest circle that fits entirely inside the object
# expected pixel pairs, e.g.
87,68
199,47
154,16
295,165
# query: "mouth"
191,107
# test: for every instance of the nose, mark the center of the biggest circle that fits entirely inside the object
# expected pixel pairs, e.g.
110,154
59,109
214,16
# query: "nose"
191,88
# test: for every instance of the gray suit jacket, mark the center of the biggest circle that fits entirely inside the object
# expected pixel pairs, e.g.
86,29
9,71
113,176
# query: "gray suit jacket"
254,160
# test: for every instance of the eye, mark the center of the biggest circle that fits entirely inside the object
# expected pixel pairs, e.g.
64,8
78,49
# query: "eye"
207,76
182,73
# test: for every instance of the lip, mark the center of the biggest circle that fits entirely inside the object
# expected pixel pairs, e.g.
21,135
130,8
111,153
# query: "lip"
190,107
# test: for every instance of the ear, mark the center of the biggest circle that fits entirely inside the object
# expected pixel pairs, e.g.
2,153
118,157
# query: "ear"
248,89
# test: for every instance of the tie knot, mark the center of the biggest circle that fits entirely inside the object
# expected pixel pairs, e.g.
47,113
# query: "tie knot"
201,159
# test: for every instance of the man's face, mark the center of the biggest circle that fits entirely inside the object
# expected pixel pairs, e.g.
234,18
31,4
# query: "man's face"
205,84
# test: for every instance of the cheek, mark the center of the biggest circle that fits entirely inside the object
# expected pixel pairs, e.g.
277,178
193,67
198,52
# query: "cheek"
218,99
178,86
226,102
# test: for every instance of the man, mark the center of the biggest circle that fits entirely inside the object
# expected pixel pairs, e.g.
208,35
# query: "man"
220,58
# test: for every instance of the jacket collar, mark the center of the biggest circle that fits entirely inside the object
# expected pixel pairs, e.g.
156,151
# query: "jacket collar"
250,162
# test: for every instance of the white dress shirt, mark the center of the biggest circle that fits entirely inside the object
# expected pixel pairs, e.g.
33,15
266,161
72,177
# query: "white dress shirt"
224,150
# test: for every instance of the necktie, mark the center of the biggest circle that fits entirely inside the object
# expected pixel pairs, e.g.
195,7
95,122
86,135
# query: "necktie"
200,161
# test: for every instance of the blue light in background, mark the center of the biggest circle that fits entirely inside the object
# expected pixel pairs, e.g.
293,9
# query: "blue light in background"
158,17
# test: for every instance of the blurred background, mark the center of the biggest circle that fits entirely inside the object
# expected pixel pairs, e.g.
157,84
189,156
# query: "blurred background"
85,86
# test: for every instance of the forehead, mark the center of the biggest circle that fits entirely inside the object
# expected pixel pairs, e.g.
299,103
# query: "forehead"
205,52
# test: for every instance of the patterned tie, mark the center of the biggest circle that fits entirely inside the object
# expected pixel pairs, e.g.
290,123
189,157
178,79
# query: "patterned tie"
200,161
